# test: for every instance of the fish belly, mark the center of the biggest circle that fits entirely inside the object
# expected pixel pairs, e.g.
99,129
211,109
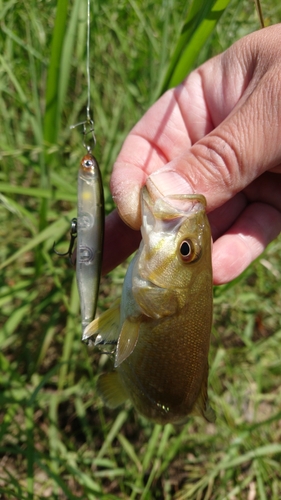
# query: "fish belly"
168,370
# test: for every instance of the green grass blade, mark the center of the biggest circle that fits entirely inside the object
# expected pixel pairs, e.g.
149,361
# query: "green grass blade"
144,23
28,47
56,437
260,452
52,92
67,55
199,25
52,233
116,426
51,118
29,413
129,449
21,93
70,335
152,446
17,209
7,333
37,192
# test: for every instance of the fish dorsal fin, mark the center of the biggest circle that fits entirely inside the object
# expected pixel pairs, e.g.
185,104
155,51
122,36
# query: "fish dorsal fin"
105,327
127,341
111,390
202,406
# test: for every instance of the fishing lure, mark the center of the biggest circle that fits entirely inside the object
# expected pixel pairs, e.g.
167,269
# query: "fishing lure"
90,230
89,225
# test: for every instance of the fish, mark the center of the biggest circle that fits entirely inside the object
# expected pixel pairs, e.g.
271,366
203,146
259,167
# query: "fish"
90,234
158,334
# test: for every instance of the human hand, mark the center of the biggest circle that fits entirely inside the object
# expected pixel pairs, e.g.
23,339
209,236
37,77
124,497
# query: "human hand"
218,134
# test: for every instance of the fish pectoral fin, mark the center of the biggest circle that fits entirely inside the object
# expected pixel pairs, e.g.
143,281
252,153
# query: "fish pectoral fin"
202,406
127,341
105,327
111,390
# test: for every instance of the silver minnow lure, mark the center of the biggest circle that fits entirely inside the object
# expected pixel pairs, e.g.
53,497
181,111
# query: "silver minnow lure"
90,231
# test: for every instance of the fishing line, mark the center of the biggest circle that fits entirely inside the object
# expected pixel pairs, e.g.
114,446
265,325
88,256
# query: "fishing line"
88,62
88,124
88,227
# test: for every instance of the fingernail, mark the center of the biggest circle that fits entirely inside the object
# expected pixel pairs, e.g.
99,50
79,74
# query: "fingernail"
168,182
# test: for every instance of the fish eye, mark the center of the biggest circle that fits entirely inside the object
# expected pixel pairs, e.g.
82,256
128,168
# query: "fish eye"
187,251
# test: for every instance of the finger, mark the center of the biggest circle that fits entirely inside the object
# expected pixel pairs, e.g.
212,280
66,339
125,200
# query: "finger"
256,227
224,217
244,109
158,137
119,242
266,189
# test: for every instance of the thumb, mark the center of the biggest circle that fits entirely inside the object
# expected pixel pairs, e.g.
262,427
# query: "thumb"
228,159
228,166
215,134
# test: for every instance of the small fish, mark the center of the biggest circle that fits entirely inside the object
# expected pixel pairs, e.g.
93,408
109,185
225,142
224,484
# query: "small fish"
90,230
159,334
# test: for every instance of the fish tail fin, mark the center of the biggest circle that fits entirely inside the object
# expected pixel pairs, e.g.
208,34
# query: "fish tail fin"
202,406
111,389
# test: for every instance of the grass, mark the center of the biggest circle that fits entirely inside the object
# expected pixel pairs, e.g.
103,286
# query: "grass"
56,439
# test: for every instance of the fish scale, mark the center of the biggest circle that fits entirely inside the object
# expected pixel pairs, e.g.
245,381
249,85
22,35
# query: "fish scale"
162,333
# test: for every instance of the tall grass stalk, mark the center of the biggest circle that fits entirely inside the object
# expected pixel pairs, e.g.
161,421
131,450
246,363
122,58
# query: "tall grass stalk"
199,24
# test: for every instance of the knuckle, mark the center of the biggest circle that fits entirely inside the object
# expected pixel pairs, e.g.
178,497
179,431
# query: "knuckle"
221,162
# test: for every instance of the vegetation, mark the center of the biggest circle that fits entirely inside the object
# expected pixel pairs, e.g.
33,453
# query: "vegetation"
56,439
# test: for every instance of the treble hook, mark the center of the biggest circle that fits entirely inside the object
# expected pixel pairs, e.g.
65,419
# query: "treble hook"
73,236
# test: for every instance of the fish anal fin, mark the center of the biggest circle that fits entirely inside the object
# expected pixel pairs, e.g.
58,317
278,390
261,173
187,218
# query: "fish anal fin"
202,406
127,341
111,390
106,325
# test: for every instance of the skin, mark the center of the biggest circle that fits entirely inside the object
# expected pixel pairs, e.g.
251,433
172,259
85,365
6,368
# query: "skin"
218,134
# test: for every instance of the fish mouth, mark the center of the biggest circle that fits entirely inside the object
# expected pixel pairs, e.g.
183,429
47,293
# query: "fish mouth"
166,213
167,223
172,205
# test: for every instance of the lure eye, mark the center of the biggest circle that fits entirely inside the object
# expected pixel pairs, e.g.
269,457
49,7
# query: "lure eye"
187,251
88,163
